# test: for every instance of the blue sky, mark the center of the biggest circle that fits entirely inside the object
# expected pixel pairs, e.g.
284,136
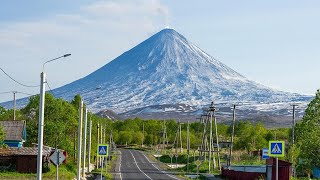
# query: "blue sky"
271,42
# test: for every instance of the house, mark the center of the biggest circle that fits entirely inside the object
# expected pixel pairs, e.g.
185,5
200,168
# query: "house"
15,132
23,159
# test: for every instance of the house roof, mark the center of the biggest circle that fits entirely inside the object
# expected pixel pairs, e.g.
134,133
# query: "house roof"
13,129
23,151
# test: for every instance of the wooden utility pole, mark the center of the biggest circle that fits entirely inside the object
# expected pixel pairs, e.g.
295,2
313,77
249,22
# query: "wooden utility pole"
14,105
204,136
210,140
217,141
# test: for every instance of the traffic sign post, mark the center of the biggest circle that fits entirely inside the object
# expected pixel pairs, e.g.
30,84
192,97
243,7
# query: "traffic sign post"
198,163
102,151
276,149
265,153
176,160
171,156
57,158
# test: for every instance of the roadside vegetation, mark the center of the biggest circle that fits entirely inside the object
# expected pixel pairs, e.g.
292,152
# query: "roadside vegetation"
61,119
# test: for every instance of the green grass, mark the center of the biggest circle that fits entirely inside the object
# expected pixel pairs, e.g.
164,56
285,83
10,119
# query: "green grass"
249,160
65,172
106,171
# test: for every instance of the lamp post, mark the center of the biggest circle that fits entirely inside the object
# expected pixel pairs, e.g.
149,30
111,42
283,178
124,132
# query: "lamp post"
41,117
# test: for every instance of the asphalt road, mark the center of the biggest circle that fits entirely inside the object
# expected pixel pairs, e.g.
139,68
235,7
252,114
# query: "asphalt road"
133,164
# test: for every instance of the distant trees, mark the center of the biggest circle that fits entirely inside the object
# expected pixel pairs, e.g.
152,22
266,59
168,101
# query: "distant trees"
250,137
61,123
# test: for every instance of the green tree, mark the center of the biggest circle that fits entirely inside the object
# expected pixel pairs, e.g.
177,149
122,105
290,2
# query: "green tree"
125,137
307,133
250,137
60,120
2,134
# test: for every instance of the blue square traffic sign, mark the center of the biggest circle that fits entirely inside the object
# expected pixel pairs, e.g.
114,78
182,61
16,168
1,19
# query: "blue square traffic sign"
265,154
276,148
102,150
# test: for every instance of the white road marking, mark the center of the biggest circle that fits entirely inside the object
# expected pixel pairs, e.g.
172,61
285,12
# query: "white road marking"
164,172
138,166
120,166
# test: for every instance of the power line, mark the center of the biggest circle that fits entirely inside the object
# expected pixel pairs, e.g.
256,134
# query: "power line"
17,92
24,93
16,80
50,89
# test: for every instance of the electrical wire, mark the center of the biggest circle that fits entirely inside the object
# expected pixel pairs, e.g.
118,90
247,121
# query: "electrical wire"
50,89
16,92
24,93
6,92
16,80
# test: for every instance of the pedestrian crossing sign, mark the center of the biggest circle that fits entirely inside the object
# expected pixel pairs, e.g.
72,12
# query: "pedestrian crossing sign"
102,150
276,148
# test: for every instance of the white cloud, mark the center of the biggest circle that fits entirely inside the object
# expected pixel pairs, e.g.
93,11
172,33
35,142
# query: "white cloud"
95,34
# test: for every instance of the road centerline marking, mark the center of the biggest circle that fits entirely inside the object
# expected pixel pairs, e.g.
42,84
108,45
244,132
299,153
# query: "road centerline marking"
138,166
120,166
164,172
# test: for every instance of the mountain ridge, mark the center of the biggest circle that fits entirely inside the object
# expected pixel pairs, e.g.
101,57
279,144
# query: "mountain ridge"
167,69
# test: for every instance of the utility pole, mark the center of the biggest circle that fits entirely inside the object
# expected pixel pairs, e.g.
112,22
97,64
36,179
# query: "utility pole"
293,121
111,141
212,109
14,105
40,126
232,133
97,158
101,158
142,133
181,150
41,117
104,135
84,143
203,147
89,148
74,145
217,140
293,124
57,165
164,136
188,147
79,139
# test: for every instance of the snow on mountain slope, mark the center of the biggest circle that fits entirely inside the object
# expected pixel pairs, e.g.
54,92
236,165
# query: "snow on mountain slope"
167,69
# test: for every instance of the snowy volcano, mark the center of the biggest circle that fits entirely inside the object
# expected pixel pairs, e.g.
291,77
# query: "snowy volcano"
167,69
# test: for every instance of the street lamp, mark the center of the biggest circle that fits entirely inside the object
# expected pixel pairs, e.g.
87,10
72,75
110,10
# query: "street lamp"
41,117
